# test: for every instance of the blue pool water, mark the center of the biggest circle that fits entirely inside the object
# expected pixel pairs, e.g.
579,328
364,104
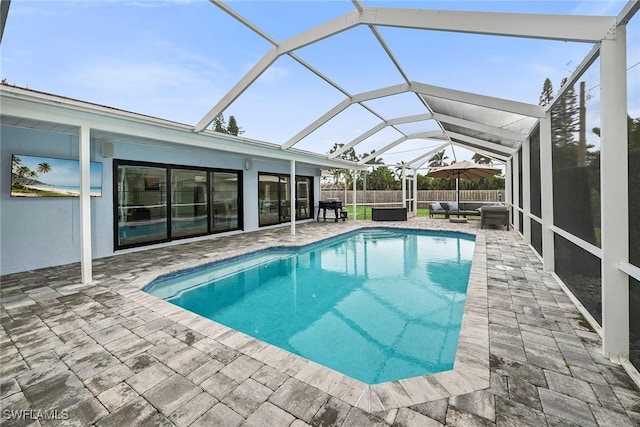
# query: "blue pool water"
377,304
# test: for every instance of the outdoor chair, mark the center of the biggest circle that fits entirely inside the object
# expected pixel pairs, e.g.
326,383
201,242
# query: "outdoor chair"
494,215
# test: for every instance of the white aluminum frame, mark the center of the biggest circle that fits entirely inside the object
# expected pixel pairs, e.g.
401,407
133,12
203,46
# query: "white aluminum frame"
614,193
607,34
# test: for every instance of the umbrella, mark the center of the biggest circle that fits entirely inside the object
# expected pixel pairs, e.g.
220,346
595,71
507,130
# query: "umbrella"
465,170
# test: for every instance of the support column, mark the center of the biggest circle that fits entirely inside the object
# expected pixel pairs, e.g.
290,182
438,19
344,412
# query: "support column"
508,186
404,188
614,203
526,191
515,164
85,204
355,179
293,203
364,195
546,193
415,192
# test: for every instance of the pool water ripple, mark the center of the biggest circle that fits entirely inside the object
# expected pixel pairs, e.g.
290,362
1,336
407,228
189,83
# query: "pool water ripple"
377,304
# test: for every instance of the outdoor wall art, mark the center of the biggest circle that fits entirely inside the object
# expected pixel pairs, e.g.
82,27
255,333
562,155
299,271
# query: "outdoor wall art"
33,176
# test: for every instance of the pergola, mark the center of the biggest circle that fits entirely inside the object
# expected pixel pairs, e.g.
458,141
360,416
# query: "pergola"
501,129
497,128
494,127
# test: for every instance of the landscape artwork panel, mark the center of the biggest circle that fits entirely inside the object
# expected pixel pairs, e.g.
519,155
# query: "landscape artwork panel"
34,176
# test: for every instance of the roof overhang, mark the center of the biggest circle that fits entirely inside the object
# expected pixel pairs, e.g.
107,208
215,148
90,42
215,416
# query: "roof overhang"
32,109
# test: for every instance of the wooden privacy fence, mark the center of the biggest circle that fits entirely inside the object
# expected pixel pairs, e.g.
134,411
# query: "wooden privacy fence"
384,197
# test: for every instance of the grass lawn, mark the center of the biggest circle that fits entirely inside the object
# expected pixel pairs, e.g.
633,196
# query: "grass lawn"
361,209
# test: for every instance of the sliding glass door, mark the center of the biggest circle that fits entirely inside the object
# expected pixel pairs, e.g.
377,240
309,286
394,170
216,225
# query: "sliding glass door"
274,198
224,201
141,213
188,202
201,201
268,199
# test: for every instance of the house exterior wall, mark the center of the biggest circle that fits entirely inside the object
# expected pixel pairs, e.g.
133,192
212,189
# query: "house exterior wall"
44,232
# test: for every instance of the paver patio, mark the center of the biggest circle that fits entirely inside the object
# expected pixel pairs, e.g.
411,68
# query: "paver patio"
106,354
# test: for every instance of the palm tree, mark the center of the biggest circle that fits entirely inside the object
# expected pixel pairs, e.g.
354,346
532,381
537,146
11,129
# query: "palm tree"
438,160
374,160
482,160
15,162
21,172
398,169
32,176
43,168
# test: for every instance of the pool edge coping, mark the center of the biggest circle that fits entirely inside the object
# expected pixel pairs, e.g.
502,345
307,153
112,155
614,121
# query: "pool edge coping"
471,371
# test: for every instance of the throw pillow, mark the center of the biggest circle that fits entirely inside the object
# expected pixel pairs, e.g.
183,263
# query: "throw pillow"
453,206
436,206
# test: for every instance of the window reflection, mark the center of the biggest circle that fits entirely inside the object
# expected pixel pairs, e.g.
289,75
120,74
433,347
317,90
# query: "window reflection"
224,201
202,201
274,198
142,204
188,202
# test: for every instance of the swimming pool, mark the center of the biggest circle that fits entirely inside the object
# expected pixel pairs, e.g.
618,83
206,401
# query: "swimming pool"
376,304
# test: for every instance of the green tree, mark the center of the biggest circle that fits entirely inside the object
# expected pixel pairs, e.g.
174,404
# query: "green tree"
15,162
343,176
219,124
382,178
438,160
547,93
375,181
373,160
482,160
423,182
233,128
496,182
22,173
43,168
32,177
397,171
633,132
564,124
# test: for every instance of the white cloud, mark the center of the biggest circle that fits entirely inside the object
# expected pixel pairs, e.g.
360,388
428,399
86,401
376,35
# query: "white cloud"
169,91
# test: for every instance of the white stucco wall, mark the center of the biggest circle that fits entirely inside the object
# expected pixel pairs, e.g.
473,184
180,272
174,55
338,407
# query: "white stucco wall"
43,232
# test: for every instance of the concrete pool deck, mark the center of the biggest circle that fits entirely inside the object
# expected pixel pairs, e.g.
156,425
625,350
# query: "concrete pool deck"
108,354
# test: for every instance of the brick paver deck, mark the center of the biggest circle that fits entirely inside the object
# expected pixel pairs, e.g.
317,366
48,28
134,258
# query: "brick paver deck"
107,354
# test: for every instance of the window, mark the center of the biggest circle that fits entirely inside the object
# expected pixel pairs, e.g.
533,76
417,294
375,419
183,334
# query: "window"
274,198
201,201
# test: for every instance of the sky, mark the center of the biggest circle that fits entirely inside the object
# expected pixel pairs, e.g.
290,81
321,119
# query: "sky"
176,59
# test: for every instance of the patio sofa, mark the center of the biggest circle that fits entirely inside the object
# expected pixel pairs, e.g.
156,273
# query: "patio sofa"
464,208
